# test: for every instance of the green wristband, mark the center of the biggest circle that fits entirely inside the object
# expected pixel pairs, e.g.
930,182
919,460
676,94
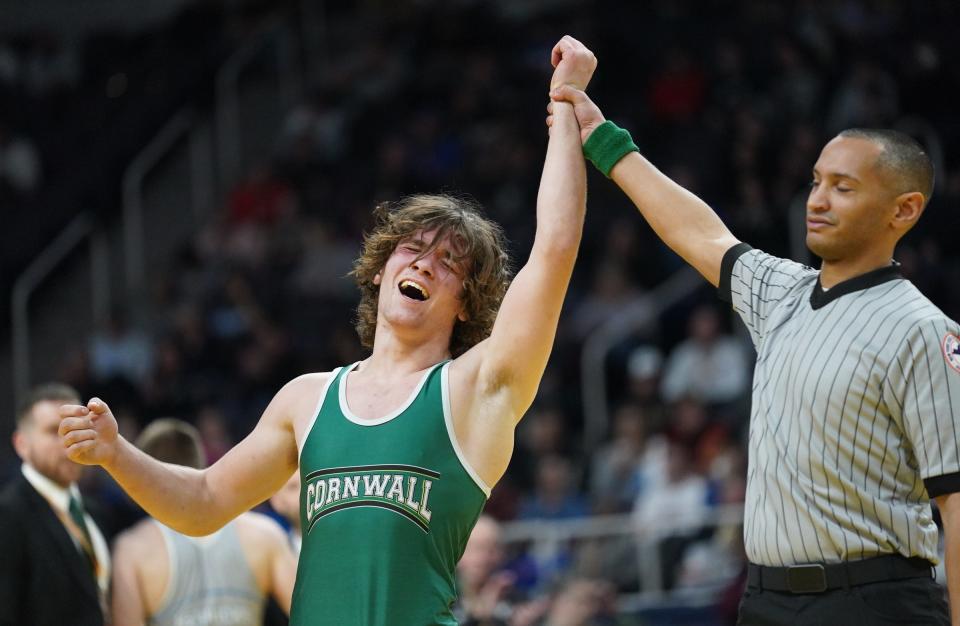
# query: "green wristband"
606,145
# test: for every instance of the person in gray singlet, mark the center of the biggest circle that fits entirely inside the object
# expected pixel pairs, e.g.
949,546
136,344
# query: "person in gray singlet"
286,502
164,578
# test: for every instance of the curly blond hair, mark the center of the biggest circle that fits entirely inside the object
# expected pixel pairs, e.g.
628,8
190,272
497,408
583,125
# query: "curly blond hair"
483,256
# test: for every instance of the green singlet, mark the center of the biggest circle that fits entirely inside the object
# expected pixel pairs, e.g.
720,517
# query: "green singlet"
386,507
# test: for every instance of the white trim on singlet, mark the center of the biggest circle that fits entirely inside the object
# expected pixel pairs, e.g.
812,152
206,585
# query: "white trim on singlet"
316,412
345,409
172,560
448,419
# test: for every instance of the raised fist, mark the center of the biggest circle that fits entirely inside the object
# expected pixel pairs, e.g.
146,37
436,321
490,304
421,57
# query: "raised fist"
573,64
89,433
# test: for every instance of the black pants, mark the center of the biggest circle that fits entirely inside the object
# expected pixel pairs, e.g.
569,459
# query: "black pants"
912,602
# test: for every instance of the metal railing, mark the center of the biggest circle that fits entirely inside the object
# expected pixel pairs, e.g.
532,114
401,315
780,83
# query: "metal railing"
79,231
228,138
133,183
596,412
283,36
545,540
184,126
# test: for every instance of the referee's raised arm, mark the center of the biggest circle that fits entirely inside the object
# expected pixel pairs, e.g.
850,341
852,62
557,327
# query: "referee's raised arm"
855,407
682,220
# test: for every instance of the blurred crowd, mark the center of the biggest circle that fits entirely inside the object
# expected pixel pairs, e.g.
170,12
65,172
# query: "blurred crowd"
731,99
76,106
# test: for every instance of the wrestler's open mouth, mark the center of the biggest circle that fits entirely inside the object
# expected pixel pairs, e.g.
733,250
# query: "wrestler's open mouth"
413,290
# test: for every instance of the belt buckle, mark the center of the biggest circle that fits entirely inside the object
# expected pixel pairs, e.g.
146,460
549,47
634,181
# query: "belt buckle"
811,578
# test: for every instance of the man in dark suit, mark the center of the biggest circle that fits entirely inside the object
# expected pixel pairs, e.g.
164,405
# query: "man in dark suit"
54,563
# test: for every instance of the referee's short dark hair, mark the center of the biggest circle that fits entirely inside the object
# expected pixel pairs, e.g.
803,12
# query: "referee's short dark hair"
47,392
173,441
902,157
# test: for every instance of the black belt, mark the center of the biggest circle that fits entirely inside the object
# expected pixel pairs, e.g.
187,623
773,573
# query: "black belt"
819,577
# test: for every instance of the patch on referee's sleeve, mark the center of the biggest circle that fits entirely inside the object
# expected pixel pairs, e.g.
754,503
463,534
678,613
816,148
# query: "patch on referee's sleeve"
951,350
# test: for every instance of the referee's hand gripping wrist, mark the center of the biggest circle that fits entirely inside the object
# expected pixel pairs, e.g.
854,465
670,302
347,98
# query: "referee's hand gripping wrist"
588,114
604,143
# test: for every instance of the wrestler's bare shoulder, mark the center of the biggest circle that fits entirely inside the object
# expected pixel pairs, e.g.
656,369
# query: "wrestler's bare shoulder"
299,398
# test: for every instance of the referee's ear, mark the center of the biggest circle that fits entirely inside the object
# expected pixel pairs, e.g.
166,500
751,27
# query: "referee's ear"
910,207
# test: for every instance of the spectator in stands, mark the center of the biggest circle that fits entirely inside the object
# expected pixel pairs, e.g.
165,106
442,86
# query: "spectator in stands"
708,365
487,596
644,372
868,97
286,502
324,263
616,470
582,602
542,433
20,169
214,433
9,64
168,389
491,589
313,133
611,292
717,555
673,512
713,560
677,92
261,199
555,495
797,87
690,424
801,147
50,65
678,501
121,350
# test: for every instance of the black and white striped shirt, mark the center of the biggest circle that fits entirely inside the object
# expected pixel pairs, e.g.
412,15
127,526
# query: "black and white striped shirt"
855,416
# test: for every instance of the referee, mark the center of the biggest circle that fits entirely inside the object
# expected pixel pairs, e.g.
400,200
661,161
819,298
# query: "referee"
855,414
